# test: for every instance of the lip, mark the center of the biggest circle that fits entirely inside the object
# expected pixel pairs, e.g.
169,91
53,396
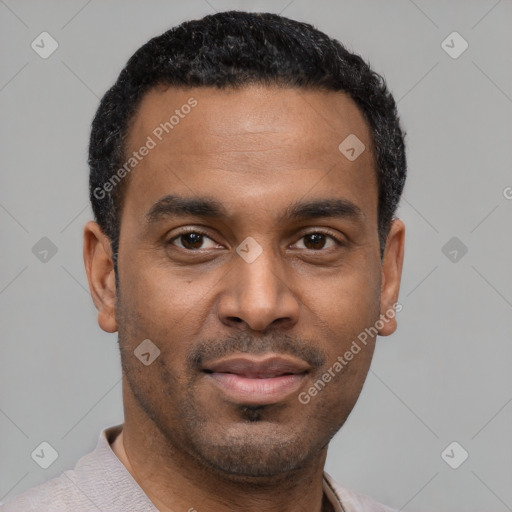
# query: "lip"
257,381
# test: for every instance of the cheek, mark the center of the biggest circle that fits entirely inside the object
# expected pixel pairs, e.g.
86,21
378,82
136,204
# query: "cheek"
351,300
162,305
150,290
351,307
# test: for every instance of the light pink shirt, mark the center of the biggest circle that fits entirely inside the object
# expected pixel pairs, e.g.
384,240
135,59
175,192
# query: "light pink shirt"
101,483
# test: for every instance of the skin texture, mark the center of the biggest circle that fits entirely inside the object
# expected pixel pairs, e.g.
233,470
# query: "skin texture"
257,151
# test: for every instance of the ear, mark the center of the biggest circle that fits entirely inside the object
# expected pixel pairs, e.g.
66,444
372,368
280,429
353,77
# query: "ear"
391,274
100,274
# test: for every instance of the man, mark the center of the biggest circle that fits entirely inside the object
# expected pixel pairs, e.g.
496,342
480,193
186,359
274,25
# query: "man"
245,173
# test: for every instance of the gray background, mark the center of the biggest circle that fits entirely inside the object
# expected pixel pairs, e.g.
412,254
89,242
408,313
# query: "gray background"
444,376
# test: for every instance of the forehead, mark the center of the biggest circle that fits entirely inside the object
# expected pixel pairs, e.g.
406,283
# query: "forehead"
312,115
253,142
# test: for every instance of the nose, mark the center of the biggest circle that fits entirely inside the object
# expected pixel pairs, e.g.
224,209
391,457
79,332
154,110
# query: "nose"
256,293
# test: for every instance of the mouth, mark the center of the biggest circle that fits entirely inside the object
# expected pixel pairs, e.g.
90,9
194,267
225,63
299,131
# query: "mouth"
257,381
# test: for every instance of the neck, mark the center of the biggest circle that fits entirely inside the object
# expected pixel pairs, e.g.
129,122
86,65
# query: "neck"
175,483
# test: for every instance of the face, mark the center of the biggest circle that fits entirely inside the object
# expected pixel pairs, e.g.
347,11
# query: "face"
249,256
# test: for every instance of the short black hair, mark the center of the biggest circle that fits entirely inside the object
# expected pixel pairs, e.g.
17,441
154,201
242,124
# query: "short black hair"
235,49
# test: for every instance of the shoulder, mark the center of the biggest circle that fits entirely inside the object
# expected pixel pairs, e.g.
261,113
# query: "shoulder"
74,489
56,495
352,501
99,481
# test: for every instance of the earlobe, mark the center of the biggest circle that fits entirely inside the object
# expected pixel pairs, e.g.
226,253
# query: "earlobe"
391,275
99,267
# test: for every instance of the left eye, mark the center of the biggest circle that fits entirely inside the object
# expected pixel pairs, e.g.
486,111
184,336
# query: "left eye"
317,241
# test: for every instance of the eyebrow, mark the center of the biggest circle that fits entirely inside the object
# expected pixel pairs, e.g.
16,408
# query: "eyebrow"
178,206
317,208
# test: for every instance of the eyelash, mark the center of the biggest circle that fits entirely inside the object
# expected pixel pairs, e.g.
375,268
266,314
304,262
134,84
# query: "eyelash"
203,233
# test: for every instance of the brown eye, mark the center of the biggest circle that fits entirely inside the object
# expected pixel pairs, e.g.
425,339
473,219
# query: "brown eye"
314,241
317,241
192,241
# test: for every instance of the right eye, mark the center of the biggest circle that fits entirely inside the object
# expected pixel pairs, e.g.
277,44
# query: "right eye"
192,240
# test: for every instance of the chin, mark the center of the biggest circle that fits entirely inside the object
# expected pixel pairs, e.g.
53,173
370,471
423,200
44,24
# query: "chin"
256,450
